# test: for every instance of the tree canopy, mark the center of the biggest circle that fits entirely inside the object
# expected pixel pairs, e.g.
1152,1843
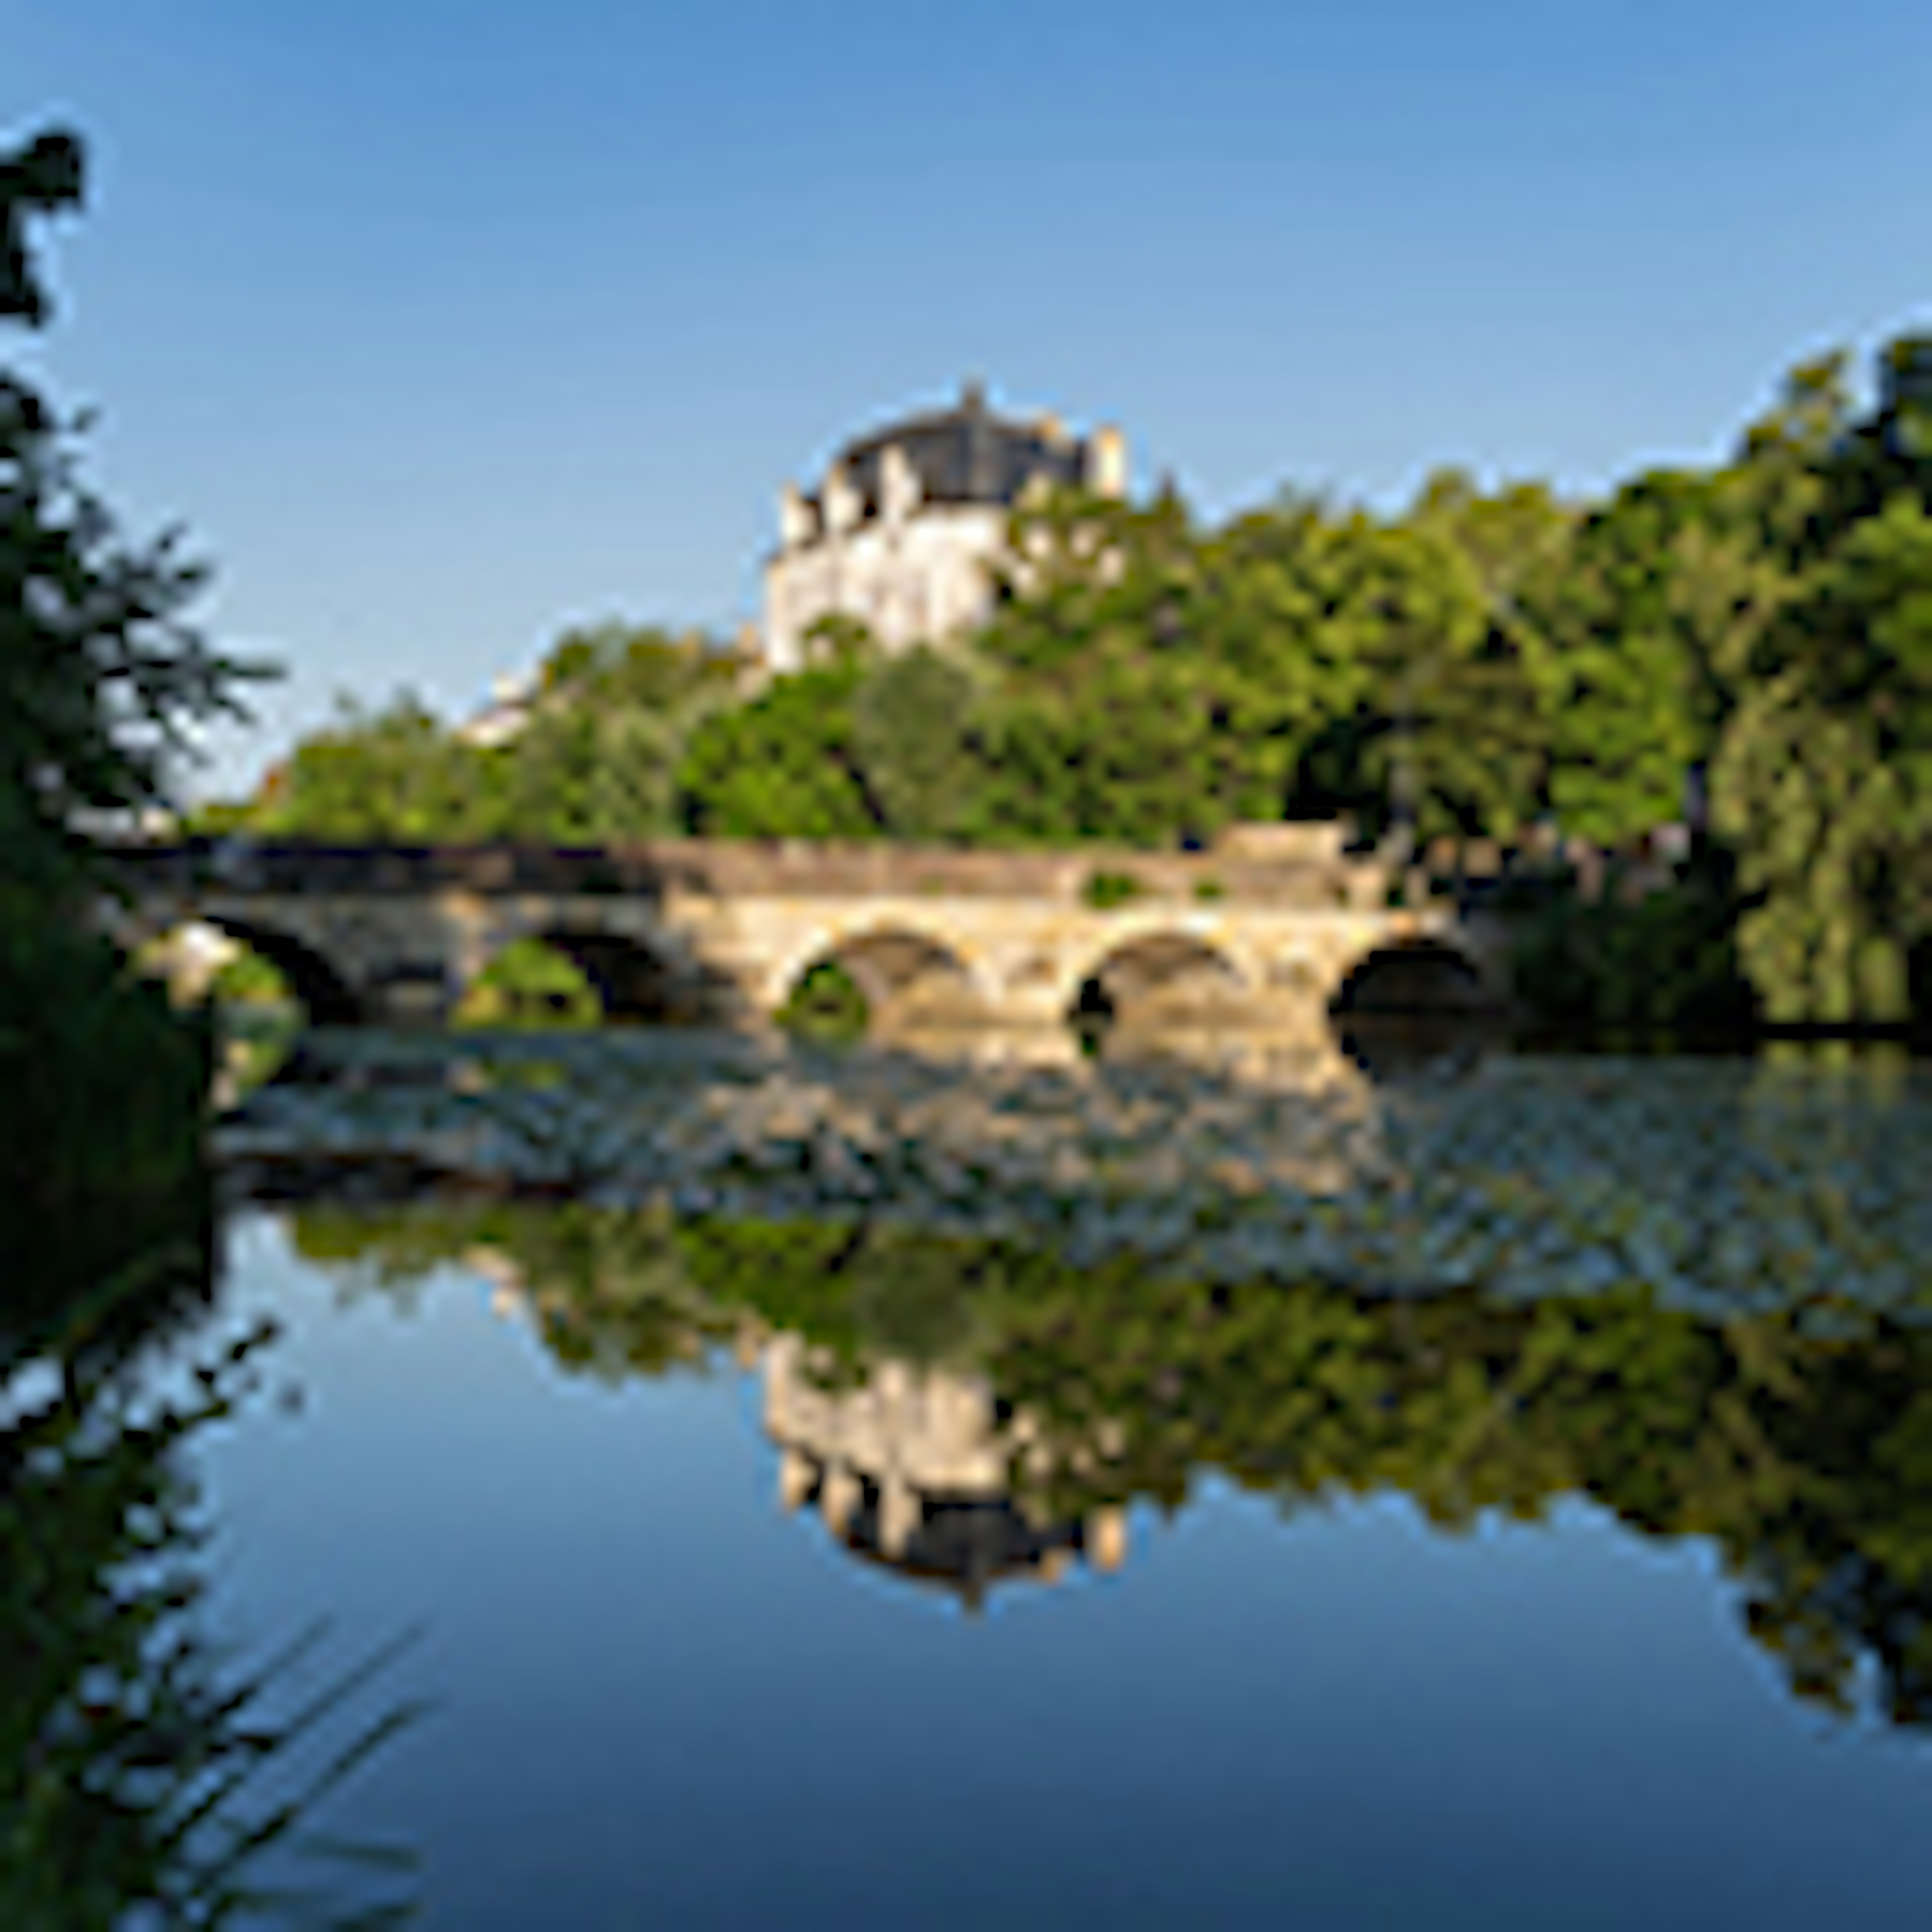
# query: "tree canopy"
1744,646
101,679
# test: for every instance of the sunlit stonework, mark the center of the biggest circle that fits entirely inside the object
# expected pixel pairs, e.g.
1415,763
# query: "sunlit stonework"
901,531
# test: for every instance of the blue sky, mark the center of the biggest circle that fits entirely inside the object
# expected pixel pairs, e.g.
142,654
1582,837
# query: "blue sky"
441,325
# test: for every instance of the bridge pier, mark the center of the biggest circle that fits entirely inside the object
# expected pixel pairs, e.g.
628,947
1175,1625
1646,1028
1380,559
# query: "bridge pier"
414,1002
1278,1015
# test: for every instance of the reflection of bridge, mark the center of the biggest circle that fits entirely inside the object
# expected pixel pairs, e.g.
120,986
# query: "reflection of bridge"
1268,927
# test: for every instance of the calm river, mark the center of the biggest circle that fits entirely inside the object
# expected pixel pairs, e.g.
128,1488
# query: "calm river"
763,1569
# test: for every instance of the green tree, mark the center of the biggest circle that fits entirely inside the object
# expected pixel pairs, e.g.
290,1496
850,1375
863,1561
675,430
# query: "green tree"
615,707
530,984
1156,683
1629,664
393,774
102,685
618,663
913,733
1138,695
1825,780
583,774
1394,693
787,764
595,762
101,681
1822,779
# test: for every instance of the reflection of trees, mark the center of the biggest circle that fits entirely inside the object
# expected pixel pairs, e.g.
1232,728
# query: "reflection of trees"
1804,1460
138,1768
610,1293
1806,1457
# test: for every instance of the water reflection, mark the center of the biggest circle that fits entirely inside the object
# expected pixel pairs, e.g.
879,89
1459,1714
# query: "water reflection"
1393,1047
1275,1056
1711,1182
146,1778
974,1411
919,1467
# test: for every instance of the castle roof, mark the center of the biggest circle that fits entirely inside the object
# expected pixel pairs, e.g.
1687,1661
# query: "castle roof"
963,1545
967,454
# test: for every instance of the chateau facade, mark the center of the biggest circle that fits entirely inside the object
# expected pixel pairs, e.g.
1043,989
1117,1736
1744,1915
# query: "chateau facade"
904,527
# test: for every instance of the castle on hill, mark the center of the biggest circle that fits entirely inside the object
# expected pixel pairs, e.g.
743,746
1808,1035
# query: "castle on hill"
906,523
902,533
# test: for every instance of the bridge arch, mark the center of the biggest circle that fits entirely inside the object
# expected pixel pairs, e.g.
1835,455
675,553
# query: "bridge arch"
326,993
1155,977
1417,1006
1425,975
524,982
891,967
637,981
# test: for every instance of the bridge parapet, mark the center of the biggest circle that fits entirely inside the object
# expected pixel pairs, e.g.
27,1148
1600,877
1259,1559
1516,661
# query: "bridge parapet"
1305,873
684,930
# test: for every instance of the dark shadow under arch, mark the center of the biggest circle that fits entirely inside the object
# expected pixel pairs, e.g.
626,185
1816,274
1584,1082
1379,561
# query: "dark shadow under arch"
1141,972
1420,977
639,986
325,994
886,967
1416,1008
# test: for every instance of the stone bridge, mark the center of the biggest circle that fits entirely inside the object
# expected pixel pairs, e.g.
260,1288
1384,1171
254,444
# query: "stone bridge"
1268,928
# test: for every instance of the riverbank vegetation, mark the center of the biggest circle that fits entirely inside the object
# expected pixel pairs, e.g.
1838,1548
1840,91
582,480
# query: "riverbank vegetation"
103,1087
144,1775
147,1774
1742,652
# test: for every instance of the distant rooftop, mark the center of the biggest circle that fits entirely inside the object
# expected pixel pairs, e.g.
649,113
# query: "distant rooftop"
967,454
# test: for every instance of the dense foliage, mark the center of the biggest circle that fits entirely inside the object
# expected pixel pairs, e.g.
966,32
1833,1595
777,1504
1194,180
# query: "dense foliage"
1757,635
142,1774
593,762
102,1089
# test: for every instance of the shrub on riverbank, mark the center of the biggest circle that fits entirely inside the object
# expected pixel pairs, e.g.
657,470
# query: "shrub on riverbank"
103,1092
1663,970
103,1088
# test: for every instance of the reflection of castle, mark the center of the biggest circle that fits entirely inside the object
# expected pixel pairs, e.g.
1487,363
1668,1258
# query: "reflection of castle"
914,1468
900,532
